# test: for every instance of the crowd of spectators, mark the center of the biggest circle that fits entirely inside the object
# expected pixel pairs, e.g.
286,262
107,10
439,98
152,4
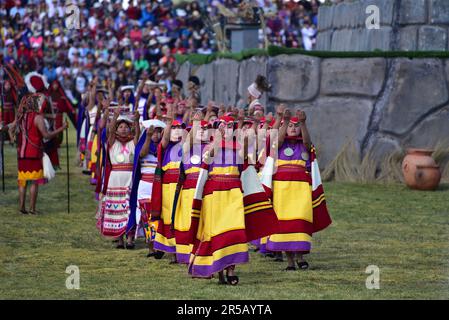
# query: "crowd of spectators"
127,40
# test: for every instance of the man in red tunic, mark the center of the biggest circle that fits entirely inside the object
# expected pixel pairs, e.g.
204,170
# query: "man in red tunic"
30,130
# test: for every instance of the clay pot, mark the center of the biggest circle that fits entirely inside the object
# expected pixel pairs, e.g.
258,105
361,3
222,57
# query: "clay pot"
420,170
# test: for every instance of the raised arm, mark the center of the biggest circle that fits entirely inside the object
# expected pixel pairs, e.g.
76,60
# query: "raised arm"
167,130
136,126
39,122
146,146
111,127
304,132
93,89
283,128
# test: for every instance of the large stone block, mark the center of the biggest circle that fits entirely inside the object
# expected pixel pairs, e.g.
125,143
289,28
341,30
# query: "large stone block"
379,39
408,38
432,38
324,39
439,11
325,17
413,12
249,69
340,16
294,77
226,81
354,12
335,121
431,132
205,73
352,76
341,40
418,87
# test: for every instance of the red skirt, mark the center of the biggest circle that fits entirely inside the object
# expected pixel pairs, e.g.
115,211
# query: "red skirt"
30,170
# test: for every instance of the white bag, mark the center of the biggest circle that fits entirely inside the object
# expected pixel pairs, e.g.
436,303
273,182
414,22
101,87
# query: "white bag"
49,171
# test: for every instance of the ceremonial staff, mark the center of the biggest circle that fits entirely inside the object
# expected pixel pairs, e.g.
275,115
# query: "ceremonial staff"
68,165
2,136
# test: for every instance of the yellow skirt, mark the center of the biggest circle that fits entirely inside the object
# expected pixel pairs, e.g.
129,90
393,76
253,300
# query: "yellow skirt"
292,201
183,219
165,236
221,238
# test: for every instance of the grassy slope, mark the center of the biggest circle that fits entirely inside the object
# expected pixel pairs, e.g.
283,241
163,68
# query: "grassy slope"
405,233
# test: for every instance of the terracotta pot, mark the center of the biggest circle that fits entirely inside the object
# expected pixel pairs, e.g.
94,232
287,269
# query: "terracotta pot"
420,170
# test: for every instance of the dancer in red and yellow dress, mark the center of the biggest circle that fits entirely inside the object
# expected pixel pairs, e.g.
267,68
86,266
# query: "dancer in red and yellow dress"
230,208
297,199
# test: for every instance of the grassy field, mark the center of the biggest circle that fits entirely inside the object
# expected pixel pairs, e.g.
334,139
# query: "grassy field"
405,233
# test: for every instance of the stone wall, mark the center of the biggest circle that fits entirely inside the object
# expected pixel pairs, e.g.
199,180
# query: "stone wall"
381,105
405,25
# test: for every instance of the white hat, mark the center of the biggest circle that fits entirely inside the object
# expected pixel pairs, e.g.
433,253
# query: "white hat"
128,87
9,42
153,42
124,118
163,39
153,122
36,82
181,12
252,89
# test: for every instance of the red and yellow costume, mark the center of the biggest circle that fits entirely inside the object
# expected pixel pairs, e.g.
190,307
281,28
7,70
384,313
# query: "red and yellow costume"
29,145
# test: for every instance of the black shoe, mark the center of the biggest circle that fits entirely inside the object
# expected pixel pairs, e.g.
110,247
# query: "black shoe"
290,269
130,246
120,246
269,255
23,211
303,265
233,280
279,259
158,255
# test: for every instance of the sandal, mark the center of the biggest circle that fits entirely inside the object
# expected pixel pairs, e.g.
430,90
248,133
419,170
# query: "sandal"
303,265
290,269
35,212
23,211
158,255
120,246
130,246
233,280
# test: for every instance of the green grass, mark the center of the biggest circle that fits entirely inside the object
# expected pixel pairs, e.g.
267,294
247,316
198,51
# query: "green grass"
272,51
404,232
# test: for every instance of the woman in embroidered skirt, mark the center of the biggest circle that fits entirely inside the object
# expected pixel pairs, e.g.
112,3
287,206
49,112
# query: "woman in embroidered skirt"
145,163
115,208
